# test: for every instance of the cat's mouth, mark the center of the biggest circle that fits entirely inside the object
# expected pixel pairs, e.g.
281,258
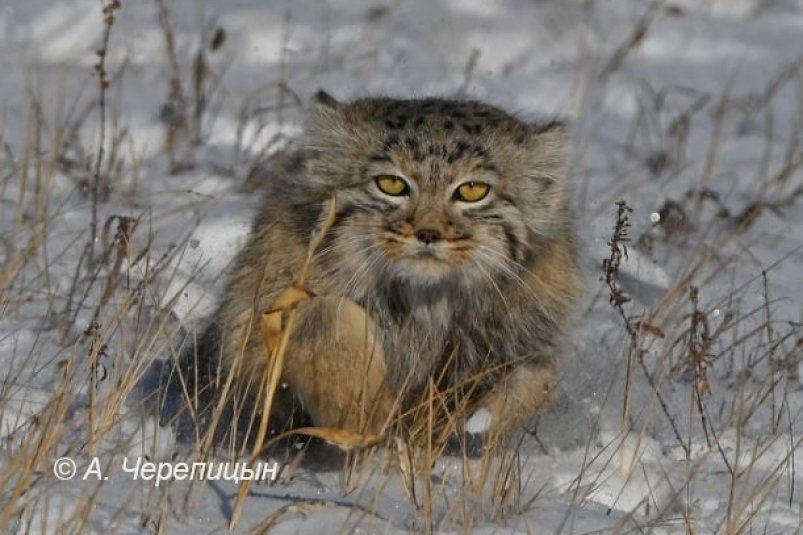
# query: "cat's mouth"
424,268
426,253
428,262
424,261
434,252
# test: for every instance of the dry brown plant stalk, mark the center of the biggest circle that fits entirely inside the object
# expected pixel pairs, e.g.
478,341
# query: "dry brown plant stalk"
109,10
276,340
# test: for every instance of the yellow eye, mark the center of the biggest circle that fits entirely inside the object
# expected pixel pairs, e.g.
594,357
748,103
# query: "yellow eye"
392,185
472,191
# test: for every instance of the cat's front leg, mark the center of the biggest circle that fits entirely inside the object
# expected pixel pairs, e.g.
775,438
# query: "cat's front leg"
336,366
517,397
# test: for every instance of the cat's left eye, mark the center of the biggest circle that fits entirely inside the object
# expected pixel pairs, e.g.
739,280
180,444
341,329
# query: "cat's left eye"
472,191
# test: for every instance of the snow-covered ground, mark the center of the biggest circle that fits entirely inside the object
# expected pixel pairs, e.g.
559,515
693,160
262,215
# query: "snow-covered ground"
691,111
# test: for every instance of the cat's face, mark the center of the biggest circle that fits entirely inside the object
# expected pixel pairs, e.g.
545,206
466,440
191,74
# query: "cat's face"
433,190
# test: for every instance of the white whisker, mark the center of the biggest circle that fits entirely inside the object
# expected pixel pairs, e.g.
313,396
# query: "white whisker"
492,255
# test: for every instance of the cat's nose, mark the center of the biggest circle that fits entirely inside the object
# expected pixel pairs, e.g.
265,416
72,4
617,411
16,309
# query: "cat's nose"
428,235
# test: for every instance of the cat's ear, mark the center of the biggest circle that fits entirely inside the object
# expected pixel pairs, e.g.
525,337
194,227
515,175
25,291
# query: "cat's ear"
326,114
552,135
324,100
325,136
549,143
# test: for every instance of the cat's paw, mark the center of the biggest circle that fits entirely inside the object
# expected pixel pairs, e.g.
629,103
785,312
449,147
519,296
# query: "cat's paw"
471,442
469,445
479,423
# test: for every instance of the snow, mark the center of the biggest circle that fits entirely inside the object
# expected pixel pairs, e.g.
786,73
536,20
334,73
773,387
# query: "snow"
704,111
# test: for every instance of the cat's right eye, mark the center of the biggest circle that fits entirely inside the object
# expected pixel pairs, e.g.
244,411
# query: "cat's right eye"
392,185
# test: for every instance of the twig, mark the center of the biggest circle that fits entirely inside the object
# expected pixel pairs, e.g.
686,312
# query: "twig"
618,298
109,10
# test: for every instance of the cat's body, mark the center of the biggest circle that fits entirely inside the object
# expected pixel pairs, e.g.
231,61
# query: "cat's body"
451,252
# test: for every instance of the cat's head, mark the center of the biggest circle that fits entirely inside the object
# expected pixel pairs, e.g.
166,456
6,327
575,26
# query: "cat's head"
430,189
